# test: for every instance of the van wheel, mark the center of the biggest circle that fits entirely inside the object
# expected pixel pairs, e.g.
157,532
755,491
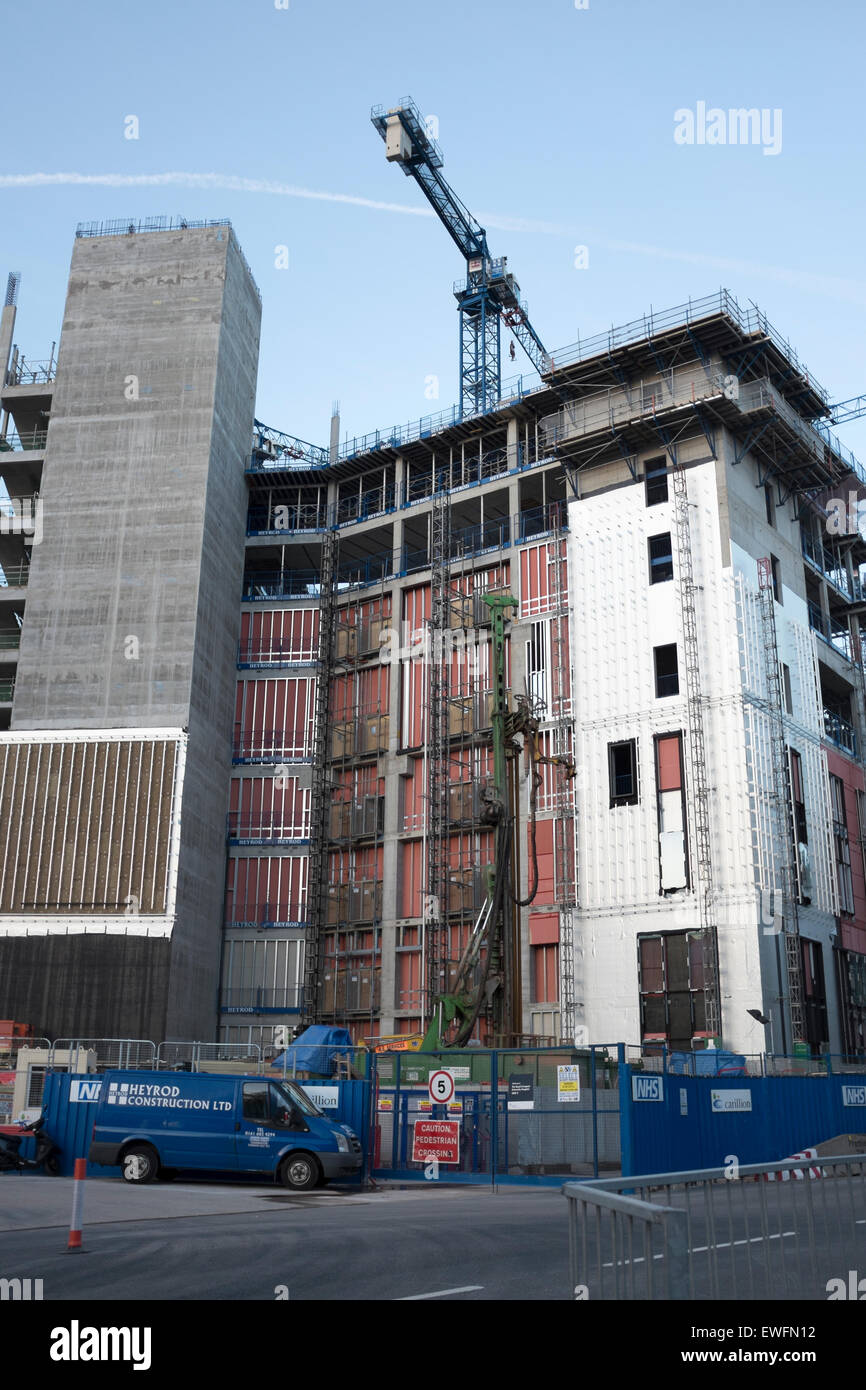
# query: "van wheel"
139,1164
300,1172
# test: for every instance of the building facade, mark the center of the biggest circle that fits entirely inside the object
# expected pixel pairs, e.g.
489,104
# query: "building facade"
684,637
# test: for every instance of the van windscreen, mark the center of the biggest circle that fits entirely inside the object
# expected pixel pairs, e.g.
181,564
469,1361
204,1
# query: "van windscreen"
299,1098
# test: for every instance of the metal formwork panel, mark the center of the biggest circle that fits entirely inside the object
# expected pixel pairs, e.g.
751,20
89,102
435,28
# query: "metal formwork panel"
89,824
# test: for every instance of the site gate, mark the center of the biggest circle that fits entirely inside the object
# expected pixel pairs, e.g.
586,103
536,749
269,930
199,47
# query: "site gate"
518,1116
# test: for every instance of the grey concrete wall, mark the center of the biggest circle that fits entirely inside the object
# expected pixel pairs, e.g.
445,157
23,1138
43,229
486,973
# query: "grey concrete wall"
86,986
133,606
125,484
196,943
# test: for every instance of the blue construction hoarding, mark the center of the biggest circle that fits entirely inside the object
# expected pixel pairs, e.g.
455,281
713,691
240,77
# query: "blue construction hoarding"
670,1122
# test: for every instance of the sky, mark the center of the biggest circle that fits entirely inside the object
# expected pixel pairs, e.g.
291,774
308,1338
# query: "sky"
561,126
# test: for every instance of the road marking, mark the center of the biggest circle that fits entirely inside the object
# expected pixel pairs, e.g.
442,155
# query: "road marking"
702,1249
441,1293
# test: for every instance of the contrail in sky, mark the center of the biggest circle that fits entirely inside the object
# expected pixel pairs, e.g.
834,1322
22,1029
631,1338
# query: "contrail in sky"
835,287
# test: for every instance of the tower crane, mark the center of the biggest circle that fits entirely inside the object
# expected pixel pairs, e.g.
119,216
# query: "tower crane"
490,292
852,409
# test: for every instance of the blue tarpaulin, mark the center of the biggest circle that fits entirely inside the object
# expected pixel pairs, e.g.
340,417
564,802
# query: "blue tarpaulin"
712,1061
315,1050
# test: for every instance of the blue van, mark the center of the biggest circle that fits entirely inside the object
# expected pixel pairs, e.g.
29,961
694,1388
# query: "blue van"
153,1123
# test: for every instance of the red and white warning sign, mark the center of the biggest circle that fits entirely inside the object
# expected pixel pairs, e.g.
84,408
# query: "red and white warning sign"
441,1087
439,1139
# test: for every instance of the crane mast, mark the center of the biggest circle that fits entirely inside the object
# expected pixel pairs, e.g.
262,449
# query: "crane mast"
490,292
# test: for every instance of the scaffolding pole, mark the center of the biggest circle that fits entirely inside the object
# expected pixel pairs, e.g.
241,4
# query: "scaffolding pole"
563,802
781,805
703,860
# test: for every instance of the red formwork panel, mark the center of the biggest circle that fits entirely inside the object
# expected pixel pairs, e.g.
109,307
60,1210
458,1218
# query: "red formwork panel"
267,888
290,634
537,582
274,715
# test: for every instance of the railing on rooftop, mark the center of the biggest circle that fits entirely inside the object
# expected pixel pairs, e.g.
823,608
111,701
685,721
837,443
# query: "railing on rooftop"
750,321
126,226
24,371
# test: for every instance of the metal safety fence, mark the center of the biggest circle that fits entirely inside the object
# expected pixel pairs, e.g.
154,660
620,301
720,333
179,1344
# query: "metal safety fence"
508,1115
738,1232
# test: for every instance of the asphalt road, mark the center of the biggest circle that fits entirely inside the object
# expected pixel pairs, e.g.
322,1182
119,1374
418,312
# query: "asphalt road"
232,1241
246,1242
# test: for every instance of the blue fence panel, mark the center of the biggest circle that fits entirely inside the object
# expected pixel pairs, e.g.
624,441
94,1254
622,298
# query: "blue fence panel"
670,1123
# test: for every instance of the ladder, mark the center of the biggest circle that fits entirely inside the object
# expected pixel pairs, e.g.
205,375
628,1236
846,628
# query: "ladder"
563,803
697,757
781,805
320,791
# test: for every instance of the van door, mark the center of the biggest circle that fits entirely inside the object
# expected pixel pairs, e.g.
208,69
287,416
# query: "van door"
265,1126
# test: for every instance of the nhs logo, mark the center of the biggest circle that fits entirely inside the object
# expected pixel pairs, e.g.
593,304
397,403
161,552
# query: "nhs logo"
647,1088
84,1091
854,1095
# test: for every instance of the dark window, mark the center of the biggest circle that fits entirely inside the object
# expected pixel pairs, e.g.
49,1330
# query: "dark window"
769,503
799,833
671,985
842,847
667,670
267,1104
256,1100
661,559
622,758
814,994
656,481
777,581
786,686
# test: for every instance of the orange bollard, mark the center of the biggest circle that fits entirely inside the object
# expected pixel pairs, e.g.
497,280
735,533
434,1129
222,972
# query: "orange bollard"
79,1174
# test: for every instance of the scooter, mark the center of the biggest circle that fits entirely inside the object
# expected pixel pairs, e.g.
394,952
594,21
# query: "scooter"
47,1154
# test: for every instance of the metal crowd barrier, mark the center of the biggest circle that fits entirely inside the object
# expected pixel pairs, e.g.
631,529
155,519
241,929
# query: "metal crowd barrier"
740,1233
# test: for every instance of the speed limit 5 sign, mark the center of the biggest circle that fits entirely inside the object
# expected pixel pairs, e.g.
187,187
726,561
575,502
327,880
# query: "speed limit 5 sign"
441,1087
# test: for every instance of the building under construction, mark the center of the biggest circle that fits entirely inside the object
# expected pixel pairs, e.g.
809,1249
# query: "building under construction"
551,706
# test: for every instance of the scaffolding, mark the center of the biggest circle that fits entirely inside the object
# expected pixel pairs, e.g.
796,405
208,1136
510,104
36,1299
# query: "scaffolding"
359,736
781,805
320,789
703,860
435,931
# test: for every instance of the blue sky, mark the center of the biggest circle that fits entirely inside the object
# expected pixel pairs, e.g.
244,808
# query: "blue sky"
557,126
